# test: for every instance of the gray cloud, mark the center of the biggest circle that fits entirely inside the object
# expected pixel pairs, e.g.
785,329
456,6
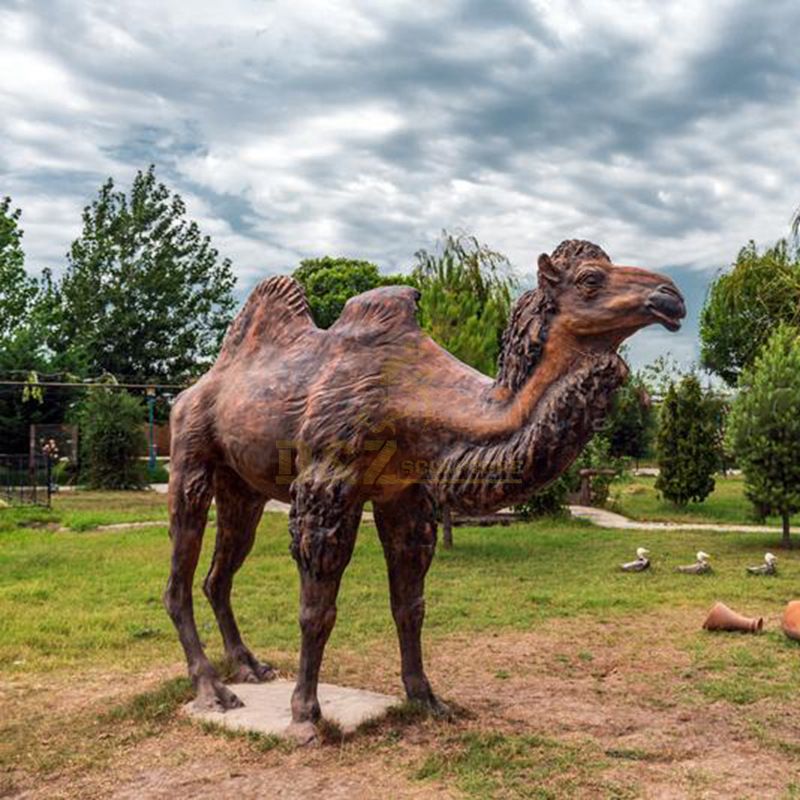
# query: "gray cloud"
663,131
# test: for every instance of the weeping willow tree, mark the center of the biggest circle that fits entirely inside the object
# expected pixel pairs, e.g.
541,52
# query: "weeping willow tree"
466,290
466,296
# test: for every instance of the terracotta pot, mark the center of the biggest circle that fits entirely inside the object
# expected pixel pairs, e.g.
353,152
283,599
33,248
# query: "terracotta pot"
791,620
722,618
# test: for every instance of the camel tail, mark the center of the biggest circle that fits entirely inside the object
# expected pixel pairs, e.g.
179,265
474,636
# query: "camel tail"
276,311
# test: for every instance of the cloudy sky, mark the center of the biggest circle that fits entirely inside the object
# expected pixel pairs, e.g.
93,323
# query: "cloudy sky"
667,131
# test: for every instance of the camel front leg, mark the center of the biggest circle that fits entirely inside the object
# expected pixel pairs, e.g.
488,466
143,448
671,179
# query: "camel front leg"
323,525
407,528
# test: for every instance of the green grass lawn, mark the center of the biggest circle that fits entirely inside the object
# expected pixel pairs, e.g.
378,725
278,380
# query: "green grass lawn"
94,598
81,602
637,498
82,510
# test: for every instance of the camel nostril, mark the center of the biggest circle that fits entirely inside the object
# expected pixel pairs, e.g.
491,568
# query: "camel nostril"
670,290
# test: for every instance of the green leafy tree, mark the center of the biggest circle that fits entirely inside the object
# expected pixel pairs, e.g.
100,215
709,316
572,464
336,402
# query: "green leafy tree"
744,305
145,295
330,282
764,426
112,439
17,288
466,293
687,443
24,315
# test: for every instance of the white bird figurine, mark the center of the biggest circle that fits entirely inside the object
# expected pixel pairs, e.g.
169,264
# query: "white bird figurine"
700,567
769,567
641,564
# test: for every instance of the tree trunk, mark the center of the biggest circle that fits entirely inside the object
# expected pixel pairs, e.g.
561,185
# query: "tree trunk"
787,540
447,528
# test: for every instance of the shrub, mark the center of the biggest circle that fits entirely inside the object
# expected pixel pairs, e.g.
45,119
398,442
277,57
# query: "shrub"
550,501
111,439
553,499
687,443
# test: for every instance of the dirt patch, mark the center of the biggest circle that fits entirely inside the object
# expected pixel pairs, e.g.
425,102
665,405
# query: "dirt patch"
625,693
633,695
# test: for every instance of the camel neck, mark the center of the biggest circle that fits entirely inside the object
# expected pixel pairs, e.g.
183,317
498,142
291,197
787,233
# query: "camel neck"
536,434
558,360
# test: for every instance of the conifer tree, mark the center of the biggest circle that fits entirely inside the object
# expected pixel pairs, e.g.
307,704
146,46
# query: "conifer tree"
686,443
764,426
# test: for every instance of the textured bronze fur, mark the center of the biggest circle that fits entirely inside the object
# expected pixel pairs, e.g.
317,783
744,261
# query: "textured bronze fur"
373,409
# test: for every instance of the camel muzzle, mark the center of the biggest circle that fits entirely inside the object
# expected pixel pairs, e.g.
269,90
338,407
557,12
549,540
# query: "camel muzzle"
666,304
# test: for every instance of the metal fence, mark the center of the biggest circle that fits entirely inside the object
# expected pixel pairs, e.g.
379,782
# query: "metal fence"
25,480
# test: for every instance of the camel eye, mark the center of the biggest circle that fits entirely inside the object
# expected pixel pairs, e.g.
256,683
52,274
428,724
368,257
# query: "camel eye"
591,280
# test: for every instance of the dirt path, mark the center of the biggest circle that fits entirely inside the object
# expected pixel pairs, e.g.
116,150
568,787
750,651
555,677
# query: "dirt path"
608,519
597,516
275,506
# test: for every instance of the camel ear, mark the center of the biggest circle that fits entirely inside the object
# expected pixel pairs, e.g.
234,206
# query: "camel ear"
549,273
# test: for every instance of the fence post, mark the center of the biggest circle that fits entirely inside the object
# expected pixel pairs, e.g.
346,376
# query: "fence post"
31,462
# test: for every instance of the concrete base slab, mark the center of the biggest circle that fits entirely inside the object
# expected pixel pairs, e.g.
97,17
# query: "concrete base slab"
267,707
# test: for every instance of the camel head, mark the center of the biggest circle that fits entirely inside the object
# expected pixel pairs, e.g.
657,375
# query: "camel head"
600,304
583,302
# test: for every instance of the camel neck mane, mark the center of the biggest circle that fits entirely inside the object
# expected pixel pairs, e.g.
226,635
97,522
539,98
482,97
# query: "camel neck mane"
524,339
526,334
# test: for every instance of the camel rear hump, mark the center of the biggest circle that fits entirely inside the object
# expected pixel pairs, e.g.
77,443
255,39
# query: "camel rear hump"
380,314
276,311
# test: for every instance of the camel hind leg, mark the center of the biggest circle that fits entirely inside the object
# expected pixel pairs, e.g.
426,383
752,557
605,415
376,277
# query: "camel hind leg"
239,510
190,491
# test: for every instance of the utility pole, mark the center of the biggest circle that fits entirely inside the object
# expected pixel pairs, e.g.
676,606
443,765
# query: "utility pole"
151,406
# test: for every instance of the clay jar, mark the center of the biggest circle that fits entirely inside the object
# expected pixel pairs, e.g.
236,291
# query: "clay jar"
791,620
722,618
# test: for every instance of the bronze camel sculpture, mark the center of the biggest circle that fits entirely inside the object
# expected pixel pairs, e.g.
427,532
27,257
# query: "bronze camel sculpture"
373,409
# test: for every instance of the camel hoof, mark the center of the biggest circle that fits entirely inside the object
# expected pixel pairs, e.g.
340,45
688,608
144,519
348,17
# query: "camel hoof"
303,734
255,673
433,706
213,695
440,710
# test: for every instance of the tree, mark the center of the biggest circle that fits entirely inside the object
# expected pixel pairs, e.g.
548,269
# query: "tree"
22,334
144,295
17,288
687,443
112,439
629,426
466,297
745,305
764,426
330,282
